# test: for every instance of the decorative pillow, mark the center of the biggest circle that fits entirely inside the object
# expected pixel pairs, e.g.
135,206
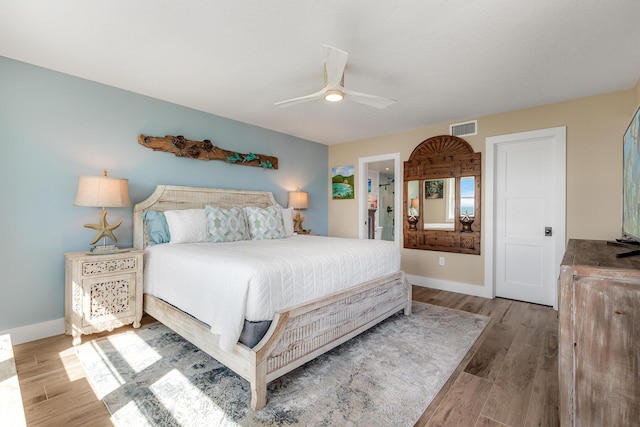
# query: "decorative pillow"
187,225
226,225
265,223
287,218
157,227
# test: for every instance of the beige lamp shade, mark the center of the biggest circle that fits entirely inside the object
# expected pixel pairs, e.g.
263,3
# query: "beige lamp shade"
102,192
298,199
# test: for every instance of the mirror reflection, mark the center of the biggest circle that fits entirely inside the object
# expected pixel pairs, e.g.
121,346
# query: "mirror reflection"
439,204
467,196
413,203
413,197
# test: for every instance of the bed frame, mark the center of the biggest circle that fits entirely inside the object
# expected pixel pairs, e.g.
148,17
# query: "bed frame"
297,334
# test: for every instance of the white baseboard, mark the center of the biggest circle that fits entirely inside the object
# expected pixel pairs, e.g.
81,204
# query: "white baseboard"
446,285
36,331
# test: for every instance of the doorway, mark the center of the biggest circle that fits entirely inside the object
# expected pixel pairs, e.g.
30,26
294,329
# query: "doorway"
525,216
380,197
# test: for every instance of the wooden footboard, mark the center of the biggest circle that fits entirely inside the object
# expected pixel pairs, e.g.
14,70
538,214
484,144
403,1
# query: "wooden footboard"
298,334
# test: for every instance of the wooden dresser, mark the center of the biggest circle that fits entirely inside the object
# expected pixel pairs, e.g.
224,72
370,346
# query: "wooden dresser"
599,336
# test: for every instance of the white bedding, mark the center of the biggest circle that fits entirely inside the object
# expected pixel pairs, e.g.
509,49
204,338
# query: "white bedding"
222,284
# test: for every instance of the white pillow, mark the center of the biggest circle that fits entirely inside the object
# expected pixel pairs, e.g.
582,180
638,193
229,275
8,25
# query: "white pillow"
287,217
226,225
187,225
265,223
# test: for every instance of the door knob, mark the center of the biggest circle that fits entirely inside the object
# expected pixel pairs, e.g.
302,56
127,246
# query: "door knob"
548,231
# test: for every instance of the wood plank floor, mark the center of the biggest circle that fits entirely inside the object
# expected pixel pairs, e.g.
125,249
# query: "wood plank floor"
508,378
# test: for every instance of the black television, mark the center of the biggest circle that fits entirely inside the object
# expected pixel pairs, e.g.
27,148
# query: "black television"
631,184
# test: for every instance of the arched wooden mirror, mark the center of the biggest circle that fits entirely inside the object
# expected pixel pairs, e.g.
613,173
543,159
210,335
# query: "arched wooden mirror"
442,196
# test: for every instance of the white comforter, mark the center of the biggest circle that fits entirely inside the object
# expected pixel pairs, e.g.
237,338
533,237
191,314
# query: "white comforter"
222,284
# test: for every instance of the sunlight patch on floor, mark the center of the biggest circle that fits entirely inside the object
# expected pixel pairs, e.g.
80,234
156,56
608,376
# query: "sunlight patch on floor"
134,412
69,362
143,356
180,410
111,382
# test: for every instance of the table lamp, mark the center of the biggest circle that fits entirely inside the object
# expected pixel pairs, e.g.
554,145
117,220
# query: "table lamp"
103,192
298,200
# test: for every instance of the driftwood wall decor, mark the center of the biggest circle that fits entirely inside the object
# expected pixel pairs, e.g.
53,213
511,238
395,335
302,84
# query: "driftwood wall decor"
205,150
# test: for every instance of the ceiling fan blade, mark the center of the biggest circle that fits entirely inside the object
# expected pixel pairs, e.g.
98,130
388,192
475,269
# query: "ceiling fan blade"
316,95
335,60
366,99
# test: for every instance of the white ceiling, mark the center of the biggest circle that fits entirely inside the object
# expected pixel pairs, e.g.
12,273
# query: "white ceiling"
442,60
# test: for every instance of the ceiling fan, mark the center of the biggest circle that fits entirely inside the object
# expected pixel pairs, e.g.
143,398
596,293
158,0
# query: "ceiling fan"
335,60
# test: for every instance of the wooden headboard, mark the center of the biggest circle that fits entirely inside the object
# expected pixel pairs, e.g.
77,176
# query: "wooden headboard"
169,197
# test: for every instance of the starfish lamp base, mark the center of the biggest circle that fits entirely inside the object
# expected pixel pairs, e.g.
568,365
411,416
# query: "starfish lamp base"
104,229
297,222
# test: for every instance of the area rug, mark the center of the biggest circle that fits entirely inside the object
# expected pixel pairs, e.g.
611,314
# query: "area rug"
386,376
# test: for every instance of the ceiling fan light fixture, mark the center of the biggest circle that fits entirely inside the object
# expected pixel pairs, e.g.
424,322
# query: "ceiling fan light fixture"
334,95
335,61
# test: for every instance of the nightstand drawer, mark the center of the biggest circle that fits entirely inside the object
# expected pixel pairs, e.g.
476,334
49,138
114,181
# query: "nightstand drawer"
91,267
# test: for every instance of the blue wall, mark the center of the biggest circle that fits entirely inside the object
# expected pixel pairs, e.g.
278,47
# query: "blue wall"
55,127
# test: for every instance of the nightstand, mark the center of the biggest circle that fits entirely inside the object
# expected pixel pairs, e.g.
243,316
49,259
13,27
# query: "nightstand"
102,292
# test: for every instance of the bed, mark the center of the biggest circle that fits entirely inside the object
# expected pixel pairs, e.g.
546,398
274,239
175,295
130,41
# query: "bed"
296,334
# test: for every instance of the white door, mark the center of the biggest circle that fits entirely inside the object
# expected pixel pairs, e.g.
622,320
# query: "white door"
529,214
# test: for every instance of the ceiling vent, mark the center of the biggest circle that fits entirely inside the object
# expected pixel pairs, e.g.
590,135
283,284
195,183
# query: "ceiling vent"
464,129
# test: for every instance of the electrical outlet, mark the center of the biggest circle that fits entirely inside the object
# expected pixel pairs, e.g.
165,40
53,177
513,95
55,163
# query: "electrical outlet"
441,261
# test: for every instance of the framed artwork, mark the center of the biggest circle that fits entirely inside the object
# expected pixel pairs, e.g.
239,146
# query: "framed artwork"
342,182
434,189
